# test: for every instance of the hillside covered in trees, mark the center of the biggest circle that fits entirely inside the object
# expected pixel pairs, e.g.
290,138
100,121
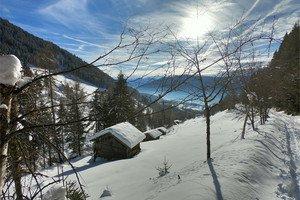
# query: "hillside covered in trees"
278,85
34,51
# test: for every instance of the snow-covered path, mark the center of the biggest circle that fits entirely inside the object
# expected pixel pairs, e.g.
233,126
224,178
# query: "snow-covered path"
263,166
291,127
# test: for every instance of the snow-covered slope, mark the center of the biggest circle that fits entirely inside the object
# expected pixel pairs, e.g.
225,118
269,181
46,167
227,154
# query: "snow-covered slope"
62,80
86,87
263,166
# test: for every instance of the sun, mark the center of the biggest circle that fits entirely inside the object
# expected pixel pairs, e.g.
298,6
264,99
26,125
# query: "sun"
196,24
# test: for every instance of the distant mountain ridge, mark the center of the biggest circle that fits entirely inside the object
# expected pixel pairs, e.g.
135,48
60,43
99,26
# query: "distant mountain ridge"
185,81
34,51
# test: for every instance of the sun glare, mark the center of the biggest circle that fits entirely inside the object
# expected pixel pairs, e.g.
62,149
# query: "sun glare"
196,25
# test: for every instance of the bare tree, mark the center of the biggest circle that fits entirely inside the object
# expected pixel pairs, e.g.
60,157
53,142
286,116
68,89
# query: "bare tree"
233,50
133,46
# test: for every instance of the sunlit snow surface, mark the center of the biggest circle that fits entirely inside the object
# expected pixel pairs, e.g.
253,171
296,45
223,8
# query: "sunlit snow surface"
262,166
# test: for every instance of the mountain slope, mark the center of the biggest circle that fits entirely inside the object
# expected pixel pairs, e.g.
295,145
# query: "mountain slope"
35,51
262,166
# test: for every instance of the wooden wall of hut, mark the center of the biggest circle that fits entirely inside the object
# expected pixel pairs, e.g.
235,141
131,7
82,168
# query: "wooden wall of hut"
109,147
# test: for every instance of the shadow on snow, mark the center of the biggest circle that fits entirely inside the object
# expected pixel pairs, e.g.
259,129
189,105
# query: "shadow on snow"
215,180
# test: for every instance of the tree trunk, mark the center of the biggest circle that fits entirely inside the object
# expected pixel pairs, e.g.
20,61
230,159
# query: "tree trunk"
14,155
18,186
79,144
207,118
3,162
207,114
260,115
252,118
266,115
16,170
5,95
54,132
49,156
44,156
245,124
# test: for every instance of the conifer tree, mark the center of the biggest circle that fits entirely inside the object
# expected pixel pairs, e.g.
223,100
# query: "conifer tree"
76,128
97,110
278,85
120,103
62,116
284,69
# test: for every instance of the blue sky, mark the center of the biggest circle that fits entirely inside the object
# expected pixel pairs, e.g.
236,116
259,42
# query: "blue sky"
88,27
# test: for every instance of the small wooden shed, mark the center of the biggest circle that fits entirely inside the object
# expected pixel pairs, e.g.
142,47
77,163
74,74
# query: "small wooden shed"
118,141
163,130
153,134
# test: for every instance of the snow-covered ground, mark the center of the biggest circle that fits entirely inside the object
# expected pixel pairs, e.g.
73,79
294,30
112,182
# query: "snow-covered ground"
263,166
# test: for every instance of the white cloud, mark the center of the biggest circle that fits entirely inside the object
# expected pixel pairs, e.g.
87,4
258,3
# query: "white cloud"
75,15
84,42
189,19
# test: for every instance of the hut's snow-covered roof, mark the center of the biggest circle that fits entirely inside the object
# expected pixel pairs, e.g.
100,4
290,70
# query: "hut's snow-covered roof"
154,133
162,129
125,132
10,69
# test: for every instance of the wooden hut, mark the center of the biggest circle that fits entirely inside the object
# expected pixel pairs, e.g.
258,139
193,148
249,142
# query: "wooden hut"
177,121
153,134
118,141
163,130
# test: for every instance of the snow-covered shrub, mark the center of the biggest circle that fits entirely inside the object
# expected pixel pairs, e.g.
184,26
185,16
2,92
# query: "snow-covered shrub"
106,193
74,192
164,168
